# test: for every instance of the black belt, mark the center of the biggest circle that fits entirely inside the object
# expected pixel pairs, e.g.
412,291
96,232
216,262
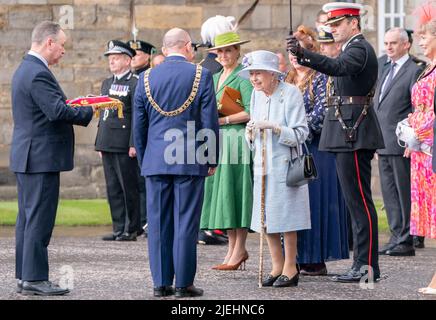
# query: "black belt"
338,101
343,100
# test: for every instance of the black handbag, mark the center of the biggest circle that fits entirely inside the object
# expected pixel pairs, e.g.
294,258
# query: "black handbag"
302,169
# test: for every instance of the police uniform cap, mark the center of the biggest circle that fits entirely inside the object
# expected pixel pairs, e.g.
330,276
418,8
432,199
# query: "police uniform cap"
117,46
325,35
142,45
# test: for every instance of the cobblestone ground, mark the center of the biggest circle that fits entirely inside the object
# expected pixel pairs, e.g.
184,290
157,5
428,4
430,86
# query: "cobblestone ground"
114,270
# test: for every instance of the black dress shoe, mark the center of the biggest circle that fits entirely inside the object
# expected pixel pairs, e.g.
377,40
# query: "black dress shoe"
401,250
42,288
269,280
126,237
163,291
353,276
418,242
284,281
385,248
19,286
109,237
191,291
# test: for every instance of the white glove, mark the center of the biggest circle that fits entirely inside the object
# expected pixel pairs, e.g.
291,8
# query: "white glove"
263,124
249,131
250,125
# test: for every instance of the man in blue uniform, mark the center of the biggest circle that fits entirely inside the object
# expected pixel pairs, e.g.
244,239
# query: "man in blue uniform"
351,129
176,136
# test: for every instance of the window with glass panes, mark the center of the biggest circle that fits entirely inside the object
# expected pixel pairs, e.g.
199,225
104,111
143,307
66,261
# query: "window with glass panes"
391,14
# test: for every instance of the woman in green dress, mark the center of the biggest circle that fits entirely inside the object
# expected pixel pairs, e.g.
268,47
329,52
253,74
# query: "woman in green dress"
228,195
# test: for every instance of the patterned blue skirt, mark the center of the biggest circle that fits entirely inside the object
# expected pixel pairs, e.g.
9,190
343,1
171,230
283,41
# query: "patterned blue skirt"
327,240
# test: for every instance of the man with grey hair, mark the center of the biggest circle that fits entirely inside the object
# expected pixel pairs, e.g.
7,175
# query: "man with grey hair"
174,102
42,146
392,103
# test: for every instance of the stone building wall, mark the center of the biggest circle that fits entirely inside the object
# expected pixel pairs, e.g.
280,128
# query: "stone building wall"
83,68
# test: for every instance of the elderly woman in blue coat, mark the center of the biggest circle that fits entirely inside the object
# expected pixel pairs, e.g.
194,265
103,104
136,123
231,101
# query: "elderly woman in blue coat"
278,124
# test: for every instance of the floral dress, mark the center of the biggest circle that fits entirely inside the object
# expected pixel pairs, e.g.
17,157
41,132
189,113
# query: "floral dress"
423,179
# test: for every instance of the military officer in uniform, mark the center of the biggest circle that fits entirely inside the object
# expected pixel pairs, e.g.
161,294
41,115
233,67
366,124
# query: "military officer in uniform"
141,62
144,51
115,142
351,129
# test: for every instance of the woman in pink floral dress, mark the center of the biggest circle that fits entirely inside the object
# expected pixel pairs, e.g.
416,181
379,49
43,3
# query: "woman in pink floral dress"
423,179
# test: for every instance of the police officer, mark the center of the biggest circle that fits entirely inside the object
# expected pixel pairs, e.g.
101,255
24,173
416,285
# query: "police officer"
351,129
141,62
115,142
144,51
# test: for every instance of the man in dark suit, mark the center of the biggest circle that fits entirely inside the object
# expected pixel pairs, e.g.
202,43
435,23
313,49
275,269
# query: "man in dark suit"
351,129
384,60
115,142
42,146
175,110
392,103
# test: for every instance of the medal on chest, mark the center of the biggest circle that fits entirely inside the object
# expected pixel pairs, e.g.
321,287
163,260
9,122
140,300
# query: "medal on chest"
119,90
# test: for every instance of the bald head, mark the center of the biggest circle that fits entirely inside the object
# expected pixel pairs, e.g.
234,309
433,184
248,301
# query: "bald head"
178,41
176,38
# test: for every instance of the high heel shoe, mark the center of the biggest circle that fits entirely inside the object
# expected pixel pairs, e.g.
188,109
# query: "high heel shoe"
239,265
218,266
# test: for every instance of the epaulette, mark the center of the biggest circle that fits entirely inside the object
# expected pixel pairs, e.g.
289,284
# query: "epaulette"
136,76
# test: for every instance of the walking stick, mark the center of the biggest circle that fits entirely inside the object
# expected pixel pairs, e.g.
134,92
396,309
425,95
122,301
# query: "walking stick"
262,205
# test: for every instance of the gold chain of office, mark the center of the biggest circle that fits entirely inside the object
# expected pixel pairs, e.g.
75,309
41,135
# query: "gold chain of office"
185,105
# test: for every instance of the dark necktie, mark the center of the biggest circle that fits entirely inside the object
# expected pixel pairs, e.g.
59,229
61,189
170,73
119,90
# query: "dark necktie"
389,79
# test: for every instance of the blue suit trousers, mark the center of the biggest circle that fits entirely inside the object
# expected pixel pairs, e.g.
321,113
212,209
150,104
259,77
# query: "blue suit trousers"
173,212
38,195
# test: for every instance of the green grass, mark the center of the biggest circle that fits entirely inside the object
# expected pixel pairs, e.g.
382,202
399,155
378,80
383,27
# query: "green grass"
96,212
70,213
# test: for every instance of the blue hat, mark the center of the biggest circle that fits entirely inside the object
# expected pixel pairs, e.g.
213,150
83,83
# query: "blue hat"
259,60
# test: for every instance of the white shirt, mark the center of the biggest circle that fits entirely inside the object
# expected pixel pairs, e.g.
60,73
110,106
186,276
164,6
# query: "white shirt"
37,55
349,40
176,54
399,63
119,76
